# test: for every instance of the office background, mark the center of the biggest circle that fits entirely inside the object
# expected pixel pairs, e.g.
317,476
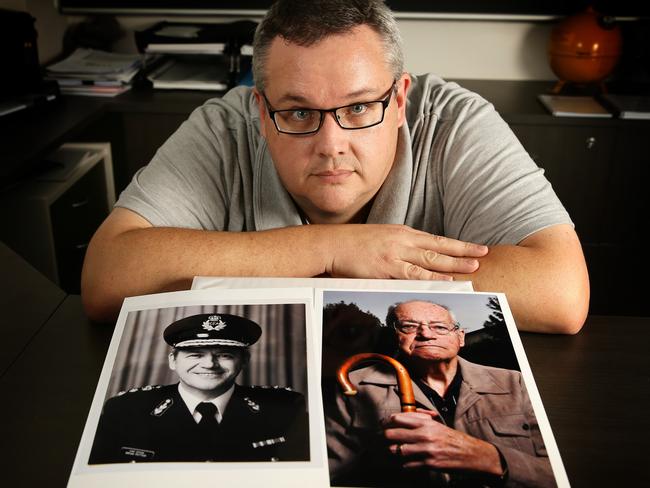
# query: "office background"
474,49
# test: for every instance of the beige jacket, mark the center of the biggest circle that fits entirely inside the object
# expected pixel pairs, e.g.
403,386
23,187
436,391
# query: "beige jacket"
493,405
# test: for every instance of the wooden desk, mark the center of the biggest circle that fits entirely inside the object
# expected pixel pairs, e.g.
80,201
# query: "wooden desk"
27,301
595,387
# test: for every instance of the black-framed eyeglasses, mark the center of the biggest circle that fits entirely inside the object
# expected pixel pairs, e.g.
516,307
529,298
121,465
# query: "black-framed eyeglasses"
438,328
360,115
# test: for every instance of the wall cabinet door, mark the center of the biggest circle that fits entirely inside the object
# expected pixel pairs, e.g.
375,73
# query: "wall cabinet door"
576,160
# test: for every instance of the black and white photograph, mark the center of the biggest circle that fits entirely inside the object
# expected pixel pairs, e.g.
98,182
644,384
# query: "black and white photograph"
207,383
428,389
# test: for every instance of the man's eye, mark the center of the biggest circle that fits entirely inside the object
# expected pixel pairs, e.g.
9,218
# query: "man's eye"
301,114
358,109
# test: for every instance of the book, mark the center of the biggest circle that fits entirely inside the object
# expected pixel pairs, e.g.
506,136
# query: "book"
305,329
628,106
573,106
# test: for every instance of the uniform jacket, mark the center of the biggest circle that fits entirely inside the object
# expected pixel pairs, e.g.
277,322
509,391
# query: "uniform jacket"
153,424
493,405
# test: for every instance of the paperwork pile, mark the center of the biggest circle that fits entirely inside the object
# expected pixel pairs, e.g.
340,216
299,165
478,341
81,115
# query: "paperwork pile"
95,73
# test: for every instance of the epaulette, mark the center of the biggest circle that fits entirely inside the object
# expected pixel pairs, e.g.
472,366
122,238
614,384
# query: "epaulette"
142,388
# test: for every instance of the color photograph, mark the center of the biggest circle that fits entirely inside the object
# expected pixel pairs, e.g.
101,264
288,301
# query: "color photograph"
426,389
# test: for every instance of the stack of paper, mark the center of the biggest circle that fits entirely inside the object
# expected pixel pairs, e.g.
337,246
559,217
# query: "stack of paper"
95,73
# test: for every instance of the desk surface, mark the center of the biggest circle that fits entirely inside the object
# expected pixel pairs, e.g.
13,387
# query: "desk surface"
595,387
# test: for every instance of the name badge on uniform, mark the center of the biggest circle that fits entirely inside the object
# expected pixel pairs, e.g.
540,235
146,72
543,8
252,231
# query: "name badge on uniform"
137,453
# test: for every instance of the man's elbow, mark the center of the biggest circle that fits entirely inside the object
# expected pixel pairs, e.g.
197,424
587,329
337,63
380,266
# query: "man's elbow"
98,302
571,308
98,294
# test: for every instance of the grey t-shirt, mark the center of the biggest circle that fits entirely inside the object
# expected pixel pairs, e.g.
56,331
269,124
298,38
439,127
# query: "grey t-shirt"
459,172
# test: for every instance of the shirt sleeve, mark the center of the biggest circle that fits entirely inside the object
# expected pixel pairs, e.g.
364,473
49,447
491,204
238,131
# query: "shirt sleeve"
196,178
491,190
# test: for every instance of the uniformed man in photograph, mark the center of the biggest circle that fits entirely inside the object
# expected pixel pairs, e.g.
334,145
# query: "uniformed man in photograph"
205,416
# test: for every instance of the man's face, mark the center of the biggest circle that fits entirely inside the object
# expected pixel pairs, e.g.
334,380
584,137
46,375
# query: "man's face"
207,369
423,343
334,173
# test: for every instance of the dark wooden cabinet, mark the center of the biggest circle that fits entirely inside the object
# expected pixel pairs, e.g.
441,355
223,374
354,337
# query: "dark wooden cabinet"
576,160
50,219
599,173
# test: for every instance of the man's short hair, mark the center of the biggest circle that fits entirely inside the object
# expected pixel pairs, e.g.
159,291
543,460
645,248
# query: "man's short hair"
306,23
391,316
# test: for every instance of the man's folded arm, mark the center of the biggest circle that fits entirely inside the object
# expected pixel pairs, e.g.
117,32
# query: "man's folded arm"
544,277
128,256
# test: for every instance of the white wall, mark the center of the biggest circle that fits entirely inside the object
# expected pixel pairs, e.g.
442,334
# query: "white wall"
475,49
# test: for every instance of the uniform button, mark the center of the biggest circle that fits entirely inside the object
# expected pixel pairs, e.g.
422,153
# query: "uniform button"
525,426
444,409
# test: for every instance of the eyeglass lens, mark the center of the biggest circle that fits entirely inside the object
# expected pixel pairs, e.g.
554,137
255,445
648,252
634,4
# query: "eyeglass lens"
435,327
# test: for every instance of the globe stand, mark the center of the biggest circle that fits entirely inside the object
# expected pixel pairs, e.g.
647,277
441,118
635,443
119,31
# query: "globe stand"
563,87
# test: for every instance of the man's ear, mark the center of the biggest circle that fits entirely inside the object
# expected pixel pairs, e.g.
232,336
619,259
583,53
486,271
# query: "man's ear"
172,361
403,85
461,337
261,108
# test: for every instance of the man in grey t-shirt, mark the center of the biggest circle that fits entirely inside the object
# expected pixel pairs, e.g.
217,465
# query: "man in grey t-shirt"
335,134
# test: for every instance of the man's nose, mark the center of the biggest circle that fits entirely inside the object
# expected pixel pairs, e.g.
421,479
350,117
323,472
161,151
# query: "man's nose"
209,361
331,139
424,333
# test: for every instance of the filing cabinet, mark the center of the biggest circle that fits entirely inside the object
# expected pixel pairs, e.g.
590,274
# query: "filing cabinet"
50,218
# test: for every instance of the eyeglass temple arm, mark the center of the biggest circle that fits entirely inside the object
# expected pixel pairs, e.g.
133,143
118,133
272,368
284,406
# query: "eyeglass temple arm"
405,387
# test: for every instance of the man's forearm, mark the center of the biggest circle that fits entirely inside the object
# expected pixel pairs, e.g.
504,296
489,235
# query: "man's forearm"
127,256
544,278
156,259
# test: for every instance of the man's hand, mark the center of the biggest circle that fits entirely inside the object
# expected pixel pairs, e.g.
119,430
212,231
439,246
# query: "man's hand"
421,441
398,251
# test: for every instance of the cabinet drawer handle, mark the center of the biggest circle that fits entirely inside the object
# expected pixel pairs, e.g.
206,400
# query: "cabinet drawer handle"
591,142
81,203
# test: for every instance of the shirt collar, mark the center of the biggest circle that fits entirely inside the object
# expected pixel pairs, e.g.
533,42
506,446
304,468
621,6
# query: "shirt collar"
191,400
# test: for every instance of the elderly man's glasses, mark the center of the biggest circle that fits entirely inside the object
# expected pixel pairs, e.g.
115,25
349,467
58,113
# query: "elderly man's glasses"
438,328
360,115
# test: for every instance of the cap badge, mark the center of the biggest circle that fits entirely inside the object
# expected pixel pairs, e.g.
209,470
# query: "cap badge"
214,322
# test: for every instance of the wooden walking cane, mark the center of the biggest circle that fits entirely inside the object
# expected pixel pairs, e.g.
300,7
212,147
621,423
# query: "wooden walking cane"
404,385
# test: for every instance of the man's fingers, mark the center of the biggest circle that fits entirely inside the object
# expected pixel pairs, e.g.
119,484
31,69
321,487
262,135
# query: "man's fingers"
410,271
451,247
410,420
438,262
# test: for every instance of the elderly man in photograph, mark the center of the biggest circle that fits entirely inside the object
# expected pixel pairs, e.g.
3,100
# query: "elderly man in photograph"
205,416
474,425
